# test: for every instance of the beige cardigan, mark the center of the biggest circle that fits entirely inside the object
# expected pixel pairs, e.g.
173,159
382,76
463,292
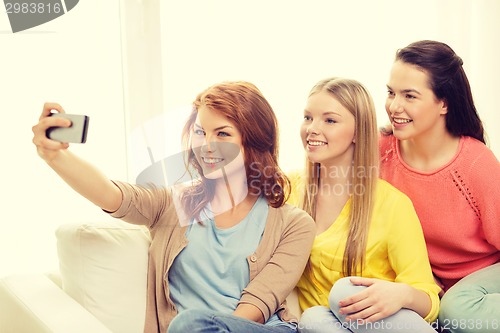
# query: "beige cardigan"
275,267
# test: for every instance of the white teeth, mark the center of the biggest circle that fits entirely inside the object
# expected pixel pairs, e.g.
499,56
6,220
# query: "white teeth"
316,143
402,121
212,160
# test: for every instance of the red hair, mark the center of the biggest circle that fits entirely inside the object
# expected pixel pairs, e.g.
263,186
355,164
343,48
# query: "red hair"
245,106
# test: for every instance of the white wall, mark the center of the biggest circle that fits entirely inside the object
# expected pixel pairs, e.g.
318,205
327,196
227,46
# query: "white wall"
74,60
285,47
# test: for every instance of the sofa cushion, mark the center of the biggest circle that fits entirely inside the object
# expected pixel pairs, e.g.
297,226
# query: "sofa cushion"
104,268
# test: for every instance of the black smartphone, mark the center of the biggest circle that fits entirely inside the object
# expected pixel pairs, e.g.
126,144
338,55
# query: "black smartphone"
76,133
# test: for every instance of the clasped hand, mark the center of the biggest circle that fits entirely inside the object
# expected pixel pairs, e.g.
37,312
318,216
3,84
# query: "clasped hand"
378,301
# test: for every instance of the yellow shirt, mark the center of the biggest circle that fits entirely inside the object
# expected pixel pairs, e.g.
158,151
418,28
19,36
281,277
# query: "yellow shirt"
396,251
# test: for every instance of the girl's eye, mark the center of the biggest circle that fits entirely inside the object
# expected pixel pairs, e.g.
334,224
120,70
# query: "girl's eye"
390,93
224,134
199,132
307,118
410,96
330,121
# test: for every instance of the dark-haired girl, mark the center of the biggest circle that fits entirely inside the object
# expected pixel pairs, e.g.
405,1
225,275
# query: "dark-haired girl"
437,156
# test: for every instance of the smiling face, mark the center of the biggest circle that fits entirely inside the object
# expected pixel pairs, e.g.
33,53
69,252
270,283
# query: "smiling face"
217,144
412,107
328,130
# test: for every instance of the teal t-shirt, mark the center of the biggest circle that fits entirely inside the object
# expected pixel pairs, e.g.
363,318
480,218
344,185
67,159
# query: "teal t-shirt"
212,270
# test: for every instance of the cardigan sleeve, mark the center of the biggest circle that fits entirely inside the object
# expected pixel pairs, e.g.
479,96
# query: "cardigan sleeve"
142,205
278,276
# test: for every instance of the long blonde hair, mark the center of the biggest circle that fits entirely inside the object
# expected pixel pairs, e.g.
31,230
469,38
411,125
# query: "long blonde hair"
354,97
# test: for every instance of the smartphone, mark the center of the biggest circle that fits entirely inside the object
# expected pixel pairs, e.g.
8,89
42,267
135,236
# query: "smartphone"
76,133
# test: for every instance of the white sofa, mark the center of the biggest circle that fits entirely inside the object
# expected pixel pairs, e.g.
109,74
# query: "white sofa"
101,285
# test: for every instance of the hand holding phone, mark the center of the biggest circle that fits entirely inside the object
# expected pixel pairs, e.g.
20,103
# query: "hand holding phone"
76,133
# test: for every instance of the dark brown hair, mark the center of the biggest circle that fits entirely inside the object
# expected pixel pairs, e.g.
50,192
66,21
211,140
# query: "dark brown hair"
449,83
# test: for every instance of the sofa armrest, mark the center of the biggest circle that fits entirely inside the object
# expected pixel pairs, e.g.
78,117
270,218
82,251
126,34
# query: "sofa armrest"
55,277
33,303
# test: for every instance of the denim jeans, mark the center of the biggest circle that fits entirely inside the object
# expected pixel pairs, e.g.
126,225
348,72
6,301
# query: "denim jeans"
322,319
194,321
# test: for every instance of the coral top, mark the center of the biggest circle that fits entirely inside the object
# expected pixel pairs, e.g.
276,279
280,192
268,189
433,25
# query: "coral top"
457,205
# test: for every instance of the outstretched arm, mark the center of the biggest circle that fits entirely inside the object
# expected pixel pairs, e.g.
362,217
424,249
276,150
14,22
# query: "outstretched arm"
79,174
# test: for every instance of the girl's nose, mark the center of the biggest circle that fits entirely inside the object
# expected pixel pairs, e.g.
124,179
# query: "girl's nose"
209,145
312,128
396,106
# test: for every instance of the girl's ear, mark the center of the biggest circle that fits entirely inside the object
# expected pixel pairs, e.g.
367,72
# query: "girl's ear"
444,106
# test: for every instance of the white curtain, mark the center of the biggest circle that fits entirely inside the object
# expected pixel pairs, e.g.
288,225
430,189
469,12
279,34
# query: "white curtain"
284,47
142,84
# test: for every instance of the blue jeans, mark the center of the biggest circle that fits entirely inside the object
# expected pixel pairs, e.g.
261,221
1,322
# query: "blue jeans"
194,321
473,303
322,319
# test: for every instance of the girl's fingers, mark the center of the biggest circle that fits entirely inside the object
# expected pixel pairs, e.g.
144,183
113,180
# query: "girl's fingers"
48,107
